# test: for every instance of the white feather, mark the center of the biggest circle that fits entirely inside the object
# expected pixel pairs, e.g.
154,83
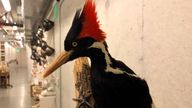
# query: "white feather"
101,46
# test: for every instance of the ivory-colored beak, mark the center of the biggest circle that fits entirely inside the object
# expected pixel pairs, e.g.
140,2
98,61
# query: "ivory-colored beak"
59,60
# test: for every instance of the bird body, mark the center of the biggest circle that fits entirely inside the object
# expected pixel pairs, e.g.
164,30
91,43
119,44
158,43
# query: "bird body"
118,86
114,85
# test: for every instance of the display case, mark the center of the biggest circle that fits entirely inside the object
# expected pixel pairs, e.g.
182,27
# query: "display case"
42,48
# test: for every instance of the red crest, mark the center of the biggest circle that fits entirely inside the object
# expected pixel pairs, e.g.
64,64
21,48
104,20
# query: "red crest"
90,24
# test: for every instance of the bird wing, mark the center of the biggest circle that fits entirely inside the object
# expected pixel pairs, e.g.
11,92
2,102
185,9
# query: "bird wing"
119,64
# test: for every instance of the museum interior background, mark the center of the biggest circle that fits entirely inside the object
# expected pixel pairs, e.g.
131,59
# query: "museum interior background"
152,37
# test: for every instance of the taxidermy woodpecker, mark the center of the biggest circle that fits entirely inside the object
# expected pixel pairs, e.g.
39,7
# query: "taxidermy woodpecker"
114,85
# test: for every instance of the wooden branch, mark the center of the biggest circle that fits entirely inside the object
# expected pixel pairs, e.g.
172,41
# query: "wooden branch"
82,83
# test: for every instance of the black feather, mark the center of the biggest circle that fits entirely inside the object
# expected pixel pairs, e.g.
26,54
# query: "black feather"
116,90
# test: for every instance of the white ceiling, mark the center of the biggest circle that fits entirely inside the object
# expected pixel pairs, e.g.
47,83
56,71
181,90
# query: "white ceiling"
27,19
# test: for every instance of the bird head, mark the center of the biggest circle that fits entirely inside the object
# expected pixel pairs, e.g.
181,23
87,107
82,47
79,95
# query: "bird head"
84,32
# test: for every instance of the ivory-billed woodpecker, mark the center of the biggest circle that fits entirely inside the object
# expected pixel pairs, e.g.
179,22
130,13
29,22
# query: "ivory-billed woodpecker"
114,85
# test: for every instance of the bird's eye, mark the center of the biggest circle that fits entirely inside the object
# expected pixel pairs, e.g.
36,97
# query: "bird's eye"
74,44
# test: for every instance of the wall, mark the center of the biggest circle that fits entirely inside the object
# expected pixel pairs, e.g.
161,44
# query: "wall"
168,51
22,57
12,54
68,9
154,39
151,37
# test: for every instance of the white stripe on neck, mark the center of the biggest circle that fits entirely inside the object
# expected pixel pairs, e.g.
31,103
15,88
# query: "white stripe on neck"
101,46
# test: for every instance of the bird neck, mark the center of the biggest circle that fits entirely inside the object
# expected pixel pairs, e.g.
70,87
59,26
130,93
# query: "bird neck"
101,59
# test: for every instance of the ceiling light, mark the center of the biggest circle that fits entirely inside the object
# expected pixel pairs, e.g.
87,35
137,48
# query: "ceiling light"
17,34
14,27
6,5
7,21
4,18
11,19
